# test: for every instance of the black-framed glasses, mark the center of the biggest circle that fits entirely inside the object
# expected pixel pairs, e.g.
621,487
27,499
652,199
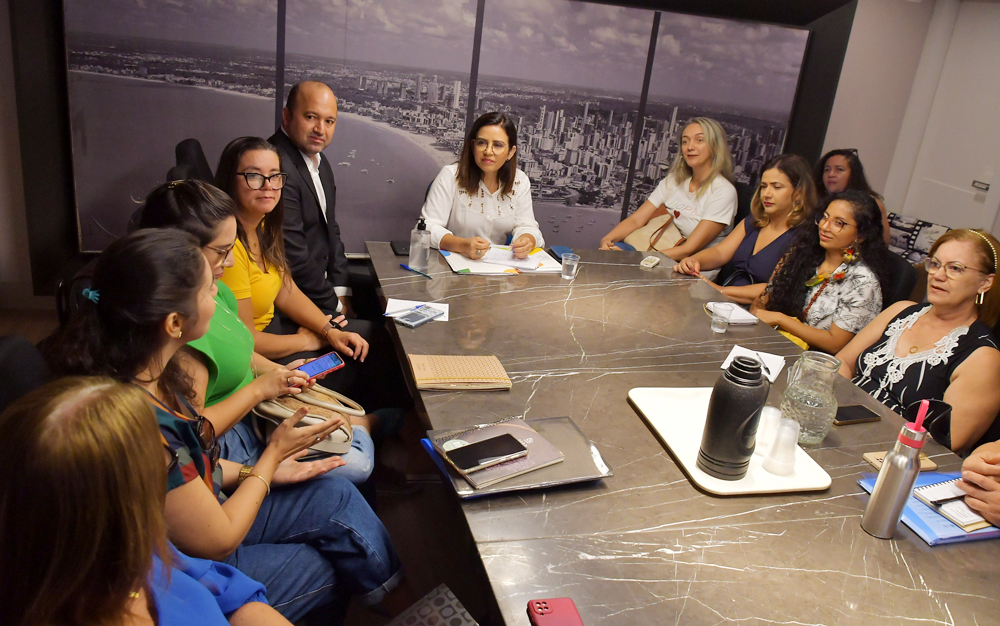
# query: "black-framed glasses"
835,223
953,270
222,252
482,144
256,180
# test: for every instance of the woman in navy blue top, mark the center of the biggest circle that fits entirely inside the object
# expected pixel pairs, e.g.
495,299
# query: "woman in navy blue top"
785,197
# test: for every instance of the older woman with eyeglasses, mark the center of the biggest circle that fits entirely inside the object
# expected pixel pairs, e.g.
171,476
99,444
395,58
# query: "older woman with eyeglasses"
942,349
484,198
829,284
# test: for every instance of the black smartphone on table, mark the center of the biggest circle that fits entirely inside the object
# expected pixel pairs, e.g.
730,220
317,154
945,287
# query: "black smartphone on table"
486,453
855,414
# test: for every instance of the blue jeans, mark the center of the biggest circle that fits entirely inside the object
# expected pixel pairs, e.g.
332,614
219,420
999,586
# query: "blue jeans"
241,445
621,245
317,543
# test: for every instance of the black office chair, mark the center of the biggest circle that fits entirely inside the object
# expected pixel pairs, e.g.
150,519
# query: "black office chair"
22,369
191,163
904,277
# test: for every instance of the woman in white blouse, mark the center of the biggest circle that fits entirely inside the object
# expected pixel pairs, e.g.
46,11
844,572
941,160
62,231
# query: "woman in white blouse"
483,198
697,190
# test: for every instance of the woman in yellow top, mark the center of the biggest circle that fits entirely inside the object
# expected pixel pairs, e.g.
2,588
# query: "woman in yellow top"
250,172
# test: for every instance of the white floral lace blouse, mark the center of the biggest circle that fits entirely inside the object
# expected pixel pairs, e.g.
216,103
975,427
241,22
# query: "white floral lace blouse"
898,382
849,303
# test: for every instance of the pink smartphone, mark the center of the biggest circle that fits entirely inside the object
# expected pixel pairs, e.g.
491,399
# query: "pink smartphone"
554,612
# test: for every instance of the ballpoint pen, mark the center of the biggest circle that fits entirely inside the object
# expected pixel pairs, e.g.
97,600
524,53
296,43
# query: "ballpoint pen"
408,268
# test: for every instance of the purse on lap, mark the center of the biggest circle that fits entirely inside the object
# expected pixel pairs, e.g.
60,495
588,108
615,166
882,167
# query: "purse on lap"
322,404
659,234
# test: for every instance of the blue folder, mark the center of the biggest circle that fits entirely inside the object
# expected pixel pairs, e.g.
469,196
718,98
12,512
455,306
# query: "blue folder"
931,526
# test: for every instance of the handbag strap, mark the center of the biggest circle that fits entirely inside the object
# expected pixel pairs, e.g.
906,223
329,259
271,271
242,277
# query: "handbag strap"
655,237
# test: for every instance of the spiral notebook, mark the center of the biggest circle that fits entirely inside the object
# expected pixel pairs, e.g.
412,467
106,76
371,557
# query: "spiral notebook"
541,453
948,500
451,372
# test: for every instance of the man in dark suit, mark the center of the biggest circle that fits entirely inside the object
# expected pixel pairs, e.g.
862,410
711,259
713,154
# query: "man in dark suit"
313,247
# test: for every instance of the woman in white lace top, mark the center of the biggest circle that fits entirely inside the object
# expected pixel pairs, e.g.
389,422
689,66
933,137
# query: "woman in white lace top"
942,349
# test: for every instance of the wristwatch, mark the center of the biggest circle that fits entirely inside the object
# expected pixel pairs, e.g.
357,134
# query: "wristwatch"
244,472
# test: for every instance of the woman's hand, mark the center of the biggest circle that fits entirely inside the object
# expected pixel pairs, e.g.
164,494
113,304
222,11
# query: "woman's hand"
474,247
290,471
311,342
523,245
980,473
608,244
689,266
287,439
281,381
296,364
350,344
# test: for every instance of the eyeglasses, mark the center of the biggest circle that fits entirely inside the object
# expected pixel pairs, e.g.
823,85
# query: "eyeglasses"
482,144
222,252
953,270
255,181
835,223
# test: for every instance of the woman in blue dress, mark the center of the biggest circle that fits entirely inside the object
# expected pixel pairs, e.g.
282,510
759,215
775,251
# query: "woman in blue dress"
783,200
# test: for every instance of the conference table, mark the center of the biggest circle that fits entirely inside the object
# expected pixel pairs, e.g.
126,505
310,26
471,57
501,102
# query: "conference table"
646,546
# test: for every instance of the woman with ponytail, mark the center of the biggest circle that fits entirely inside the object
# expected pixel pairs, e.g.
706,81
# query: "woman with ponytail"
312,543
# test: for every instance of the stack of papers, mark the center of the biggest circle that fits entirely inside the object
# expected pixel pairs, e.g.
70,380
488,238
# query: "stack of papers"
502,255
772,362
740,315
395,308
500,260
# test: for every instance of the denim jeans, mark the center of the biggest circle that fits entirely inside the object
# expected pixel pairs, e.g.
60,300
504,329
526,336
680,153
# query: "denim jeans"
316,543
241,445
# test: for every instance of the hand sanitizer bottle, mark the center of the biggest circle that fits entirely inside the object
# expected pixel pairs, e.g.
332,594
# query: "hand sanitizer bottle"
420,247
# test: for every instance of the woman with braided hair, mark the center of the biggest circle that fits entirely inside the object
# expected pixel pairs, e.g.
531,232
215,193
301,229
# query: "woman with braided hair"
942,349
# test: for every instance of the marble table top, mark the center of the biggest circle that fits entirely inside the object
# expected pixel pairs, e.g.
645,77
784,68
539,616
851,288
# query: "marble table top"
645,546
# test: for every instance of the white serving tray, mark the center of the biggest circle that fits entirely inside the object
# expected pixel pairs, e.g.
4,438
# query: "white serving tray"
678,414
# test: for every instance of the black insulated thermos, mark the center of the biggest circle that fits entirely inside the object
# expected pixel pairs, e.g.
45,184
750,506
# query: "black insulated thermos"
731,425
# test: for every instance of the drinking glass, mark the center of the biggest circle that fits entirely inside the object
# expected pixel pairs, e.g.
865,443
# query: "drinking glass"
570,264
721,312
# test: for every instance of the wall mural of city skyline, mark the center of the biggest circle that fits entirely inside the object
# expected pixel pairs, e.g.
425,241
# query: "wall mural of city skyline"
159,73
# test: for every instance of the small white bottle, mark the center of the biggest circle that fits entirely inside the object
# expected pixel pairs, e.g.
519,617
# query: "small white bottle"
420,247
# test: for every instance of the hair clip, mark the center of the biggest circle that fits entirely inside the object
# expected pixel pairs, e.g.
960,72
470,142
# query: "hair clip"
174,184
91,294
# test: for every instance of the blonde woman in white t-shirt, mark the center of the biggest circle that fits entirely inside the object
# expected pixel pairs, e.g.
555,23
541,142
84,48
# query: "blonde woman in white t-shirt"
697,190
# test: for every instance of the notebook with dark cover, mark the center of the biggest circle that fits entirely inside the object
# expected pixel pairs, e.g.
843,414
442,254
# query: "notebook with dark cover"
581,460
541,453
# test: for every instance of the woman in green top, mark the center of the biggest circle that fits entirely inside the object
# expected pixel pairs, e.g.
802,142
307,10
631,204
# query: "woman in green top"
229,377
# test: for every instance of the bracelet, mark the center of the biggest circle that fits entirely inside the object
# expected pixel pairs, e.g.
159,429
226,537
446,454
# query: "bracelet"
244,472
266,484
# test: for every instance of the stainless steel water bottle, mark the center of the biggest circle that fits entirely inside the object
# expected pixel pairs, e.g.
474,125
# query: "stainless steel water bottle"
420,247
895,483
731,425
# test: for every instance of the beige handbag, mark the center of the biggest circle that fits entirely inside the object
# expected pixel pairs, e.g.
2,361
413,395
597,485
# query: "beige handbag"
659,234
322,403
